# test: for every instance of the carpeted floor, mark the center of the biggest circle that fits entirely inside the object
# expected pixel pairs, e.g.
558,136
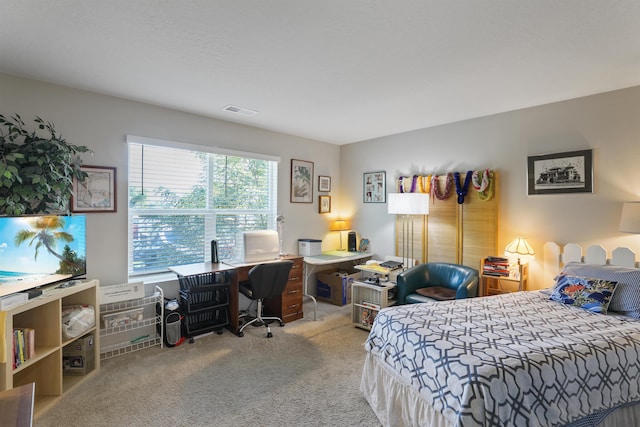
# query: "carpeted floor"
308,374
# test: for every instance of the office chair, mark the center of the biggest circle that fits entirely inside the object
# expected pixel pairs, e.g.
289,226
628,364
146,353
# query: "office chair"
265,281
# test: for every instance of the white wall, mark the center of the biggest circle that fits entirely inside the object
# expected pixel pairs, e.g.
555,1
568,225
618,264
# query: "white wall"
102,122
608,123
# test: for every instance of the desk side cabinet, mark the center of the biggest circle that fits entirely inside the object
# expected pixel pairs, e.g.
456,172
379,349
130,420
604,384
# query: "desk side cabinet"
45,367
288,306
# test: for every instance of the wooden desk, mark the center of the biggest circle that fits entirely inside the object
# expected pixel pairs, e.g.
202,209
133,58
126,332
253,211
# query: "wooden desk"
288,306
332,258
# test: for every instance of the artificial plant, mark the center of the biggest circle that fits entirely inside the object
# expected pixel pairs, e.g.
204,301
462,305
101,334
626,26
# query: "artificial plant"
36,170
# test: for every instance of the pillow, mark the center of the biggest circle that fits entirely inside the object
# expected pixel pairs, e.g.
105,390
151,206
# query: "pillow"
585,292
626,299
438,293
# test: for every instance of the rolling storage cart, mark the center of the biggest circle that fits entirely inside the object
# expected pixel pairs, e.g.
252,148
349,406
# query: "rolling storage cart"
204,301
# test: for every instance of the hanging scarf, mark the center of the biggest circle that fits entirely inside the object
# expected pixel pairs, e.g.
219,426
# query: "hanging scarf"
487,193
462,188
401,184
435,187
424,184
480,185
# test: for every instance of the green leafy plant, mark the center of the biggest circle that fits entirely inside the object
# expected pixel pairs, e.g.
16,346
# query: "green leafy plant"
36,170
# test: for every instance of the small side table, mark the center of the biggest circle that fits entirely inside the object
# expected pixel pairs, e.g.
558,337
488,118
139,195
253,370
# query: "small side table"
496,285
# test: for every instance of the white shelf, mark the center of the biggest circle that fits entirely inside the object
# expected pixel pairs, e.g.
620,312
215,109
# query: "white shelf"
367,299
128,344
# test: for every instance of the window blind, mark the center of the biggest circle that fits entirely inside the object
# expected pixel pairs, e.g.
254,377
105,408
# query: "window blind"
181,198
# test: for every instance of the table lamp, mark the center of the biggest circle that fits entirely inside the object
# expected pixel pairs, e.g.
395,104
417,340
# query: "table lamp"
519,247
340,225
406,205
630,218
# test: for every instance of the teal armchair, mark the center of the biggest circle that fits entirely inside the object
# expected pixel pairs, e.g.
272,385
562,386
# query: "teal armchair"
436,281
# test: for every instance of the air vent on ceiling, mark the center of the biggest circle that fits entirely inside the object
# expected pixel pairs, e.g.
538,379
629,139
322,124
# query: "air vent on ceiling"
239,110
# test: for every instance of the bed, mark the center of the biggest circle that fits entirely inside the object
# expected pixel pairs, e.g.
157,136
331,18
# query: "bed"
519,359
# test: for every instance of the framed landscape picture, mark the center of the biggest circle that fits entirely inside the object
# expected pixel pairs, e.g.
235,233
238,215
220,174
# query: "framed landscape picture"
97,192
375,187
301,181
568,172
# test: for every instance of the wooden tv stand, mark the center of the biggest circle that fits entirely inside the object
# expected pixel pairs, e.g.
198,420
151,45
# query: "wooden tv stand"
44,314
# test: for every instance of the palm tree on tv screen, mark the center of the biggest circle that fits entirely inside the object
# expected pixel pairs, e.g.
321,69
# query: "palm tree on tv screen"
43,233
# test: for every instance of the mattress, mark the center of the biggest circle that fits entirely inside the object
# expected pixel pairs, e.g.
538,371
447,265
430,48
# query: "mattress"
514,360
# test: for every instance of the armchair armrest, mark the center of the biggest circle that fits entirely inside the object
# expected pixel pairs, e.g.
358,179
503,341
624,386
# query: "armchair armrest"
409,281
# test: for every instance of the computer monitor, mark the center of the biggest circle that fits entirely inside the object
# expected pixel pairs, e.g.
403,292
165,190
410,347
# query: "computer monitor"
260,245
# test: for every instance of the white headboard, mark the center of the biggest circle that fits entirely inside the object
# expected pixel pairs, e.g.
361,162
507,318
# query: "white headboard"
556,256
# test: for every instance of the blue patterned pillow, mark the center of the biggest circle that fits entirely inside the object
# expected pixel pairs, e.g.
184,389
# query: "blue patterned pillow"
626,299
585,292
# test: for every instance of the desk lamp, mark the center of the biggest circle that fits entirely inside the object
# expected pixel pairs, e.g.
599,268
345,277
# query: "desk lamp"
630,218
519,247
340,225
406,205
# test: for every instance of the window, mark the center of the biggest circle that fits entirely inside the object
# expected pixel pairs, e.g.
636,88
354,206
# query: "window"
181,199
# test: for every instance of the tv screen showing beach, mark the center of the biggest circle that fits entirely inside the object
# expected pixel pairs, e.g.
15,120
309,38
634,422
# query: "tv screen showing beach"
39,250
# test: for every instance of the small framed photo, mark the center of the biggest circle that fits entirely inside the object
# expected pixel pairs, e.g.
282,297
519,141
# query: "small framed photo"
324,204
375,187
97,192
301,181
324,183
568,172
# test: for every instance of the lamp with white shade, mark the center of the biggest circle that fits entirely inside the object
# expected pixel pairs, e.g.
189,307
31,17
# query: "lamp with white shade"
407,205
519,249
630,218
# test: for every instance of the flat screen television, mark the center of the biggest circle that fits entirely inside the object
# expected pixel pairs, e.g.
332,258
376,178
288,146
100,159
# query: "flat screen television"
41,250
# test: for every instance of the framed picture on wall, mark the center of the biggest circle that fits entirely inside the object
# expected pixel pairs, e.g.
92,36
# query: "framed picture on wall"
97,192
375,187
324,183
301,181
568,172
324,204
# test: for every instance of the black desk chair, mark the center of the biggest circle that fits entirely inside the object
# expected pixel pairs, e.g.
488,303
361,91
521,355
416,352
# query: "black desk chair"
265,281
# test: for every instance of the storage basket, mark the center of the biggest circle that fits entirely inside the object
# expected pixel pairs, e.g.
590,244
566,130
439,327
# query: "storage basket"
208,297
202,280
206,321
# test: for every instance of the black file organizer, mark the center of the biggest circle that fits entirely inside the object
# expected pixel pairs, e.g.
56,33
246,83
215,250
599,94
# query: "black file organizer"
204,300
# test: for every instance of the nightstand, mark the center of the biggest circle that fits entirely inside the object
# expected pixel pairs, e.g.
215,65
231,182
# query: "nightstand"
495,284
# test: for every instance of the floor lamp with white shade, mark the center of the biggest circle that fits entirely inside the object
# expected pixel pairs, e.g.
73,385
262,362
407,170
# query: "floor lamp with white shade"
407,205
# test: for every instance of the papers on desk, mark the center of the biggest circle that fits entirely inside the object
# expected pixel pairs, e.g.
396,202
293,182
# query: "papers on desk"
373,268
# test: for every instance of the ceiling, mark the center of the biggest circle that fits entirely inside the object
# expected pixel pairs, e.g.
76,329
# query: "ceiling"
338,71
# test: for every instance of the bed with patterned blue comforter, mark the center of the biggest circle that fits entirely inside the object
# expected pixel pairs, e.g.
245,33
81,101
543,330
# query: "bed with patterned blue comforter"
517,359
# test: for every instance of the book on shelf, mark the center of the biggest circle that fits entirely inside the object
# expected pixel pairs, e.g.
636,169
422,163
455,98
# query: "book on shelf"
496,266
371,305
23,345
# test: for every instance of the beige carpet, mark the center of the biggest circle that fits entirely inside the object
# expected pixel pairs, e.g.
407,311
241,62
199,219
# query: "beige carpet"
308,374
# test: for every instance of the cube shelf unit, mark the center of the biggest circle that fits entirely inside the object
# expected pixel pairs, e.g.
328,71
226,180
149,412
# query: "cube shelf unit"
130,340
44,314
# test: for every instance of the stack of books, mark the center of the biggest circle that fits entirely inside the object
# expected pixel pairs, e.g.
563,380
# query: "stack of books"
23,345
496,266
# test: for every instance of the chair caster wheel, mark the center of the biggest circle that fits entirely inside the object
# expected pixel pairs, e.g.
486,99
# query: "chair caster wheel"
269,335
281,324
240,334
